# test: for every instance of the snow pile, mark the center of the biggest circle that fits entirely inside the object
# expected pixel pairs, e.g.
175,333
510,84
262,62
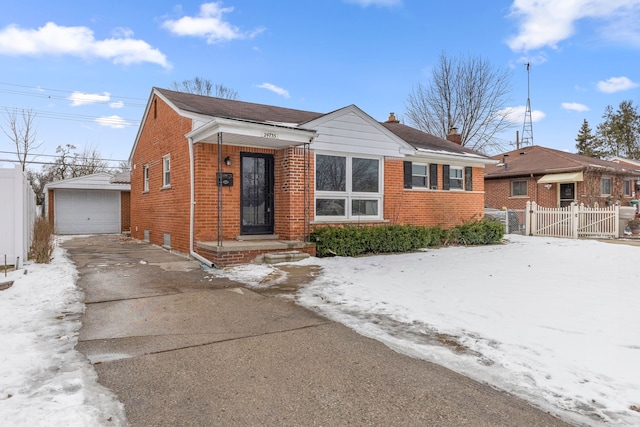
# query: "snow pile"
553,321
43,380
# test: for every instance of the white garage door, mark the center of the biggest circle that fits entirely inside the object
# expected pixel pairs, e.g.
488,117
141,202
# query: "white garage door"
87,211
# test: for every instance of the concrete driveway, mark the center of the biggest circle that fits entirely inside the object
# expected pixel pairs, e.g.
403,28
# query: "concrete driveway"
180,348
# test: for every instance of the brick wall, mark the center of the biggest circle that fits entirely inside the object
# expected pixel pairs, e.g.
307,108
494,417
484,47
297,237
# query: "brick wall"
430,207
125,210
162,210
498,192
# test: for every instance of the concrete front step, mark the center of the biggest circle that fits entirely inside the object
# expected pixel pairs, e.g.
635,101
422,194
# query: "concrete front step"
276,257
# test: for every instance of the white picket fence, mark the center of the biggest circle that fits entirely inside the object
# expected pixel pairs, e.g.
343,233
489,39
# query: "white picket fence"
573,221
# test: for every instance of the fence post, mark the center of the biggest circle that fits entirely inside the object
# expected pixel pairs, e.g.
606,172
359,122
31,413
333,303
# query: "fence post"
575,219
530,219
616,224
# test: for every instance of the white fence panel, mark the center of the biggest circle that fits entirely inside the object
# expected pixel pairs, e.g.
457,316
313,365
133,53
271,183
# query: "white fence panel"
572,221
16,216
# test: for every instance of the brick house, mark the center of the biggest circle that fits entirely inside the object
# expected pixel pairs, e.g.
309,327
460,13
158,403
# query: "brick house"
227,181
554,178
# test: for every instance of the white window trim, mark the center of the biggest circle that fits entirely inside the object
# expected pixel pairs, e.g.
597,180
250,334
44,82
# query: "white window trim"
419,187
526,187
460,168
610,186
145,178
624,189
166,161
350,196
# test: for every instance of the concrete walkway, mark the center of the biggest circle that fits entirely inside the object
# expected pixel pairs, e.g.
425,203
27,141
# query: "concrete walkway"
180,348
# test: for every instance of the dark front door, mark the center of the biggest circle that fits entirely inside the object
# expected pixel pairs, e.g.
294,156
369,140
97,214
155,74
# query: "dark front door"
256,193
567,194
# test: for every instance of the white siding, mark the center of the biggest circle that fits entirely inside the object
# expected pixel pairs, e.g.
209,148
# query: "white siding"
351,131
17,216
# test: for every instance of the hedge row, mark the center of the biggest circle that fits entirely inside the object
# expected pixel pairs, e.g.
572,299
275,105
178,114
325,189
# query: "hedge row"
352,240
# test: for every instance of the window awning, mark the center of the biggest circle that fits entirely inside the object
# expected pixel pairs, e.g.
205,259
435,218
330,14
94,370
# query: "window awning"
561,177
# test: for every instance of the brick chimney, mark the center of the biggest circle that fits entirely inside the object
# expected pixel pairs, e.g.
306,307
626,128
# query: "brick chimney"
454,136
392,118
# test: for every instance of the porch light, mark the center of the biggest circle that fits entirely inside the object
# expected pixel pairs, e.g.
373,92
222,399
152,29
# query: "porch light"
227,161
547,186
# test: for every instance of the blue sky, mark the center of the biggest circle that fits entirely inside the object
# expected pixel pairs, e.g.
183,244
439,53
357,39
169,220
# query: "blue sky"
86,68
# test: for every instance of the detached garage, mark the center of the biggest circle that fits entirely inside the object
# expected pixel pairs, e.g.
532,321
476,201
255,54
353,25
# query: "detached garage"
90,204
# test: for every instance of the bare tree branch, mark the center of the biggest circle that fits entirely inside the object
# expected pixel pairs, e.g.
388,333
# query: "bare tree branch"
467,93
200,86
21,131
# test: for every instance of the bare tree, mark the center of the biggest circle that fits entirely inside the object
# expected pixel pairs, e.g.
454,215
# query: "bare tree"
200,86
466,93
21,131
38,180
88,162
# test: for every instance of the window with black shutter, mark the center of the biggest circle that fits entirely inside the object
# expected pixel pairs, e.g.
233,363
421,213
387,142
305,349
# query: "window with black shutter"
445,177
468,178
433,176
407,174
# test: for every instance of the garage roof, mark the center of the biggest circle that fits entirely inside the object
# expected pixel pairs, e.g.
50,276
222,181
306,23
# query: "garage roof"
96,181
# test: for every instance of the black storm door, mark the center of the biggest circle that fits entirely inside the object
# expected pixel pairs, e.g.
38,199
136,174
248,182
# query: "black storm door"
567,194
256,193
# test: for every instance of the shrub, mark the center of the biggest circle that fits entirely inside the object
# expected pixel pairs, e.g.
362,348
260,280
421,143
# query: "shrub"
42,244
354,240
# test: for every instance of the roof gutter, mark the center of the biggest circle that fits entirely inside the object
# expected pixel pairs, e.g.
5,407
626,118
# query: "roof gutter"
192,208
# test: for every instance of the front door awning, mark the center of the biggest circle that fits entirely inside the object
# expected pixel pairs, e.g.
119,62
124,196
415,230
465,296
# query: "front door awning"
561,177
251,134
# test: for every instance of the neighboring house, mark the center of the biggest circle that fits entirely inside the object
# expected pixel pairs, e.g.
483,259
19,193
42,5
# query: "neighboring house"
554,178
217,178
17,216
629,163
89,204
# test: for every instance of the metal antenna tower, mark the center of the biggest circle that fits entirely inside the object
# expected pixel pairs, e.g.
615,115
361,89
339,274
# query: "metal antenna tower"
527,127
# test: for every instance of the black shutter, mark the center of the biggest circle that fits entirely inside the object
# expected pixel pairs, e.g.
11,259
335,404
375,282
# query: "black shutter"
408,172
433,176
468,178
445,177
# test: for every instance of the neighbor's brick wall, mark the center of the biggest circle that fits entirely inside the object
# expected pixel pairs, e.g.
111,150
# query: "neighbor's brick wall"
162,210
430,207
50,209
498,192
125,210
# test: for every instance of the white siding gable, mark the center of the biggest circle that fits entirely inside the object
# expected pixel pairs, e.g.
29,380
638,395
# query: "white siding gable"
350,130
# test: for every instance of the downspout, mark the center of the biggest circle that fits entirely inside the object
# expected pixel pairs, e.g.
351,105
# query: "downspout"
192,208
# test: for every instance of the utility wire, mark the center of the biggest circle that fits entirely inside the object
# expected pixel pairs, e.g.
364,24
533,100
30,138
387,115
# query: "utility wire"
56,156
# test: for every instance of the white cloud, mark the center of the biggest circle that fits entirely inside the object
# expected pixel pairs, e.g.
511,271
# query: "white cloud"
548,22
115,122
367,3
516,114
52,39
275,89
116,104
574,106
616,84
210,24
122,32
81,98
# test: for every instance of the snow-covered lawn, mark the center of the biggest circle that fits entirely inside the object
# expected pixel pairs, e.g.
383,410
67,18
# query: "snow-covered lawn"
44,381
554,321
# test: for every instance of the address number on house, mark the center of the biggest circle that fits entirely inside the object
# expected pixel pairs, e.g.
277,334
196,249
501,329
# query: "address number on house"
270,135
